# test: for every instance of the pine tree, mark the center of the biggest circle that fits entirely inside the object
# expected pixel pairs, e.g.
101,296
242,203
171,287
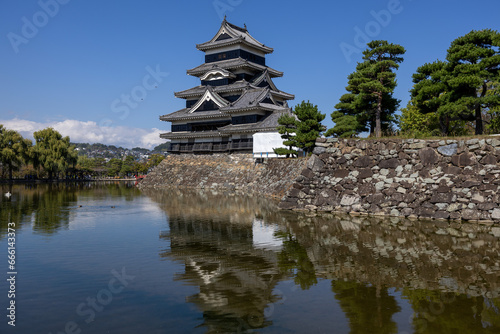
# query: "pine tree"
474,61
308,125
461,89
369,105
287,129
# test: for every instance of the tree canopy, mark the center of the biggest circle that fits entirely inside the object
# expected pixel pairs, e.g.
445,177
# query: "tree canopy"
461,89
287,128
369,104
52,152
300,128
308,125
13,149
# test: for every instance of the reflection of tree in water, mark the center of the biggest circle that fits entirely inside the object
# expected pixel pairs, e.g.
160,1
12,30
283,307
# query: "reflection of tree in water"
16,209
428,257
293,260
438,312
369,309
235,280
48,207
363,256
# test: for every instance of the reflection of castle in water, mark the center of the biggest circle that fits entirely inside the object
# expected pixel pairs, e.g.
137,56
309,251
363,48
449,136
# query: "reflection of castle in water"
450,269
235,269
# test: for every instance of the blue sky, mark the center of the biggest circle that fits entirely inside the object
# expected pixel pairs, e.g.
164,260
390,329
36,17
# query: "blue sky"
70,64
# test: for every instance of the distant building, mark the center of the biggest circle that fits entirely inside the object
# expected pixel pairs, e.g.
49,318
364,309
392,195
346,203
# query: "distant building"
236,98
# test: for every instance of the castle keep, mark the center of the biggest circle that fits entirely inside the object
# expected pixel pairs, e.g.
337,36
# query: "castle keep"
236,98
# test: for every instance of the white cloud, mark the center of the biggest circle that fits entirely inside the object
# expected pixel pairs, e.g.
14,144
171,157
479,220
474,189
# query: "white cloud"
91,132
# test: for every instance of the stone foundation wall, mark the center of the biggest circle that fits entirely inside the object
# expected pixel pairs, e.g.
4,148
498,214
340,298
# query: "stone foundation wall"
235,172
441,179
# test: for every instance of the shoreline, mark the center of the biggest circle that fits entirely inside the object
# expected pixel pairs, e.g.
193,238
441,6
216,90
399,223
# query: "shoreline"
23,181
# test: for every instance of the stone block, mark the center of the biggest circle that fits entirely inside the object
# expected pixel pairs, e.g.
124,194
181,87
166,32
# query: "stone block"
366,189
307,173
442,198
441,215
428,156
407,212
489,159
363,162
448,150
486,206
319,150
470,214
424,212
389,163
417,145
315,164
349,200
341,173
464,159
375,198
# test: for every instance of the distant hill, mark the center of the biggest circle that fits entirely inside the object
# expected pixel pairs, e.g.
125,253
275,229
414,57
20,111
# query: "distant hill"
110,151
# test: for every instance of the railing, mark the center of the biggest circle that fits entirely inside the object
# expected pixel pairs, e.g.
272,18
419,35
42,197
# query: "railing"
211,147
220,147
186,148
202,147
242,145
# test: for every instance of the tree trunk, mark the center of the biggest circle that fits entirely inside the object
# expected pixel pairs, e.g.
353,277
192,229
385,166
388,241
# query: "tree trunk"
378,124
479,116
444,124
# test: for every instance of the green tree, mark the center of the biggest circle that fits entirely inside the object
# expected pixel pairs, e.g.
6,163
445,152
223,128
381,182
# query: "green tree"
127,166
369,104
460,89
418,124
139,168
474,62
154,160
52,152
114,166
308,125
287,128
14,149
162,147
494,112
429,94
346,126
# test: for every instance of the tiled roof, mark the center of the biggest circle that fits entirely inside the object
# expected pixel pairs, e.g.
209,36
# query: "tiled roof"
267,124
198,134
235,35
200,90
185,114
253,99
232,64
237,86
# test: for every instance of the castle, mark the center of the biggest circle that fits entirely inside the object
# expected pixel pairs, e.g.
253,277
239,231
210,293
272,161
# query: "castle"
235,100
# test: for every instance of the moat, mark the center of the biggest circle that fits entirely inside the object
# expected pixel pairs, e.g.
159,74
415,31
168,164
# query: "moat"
108,258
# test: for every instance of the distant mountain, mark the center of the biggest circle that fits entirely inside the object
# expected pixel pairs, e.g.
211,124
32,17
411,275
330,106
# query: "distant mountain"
110,151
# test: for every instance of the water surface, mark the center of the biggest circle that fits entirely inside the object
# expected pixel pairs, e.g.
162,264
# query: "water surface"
107,258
